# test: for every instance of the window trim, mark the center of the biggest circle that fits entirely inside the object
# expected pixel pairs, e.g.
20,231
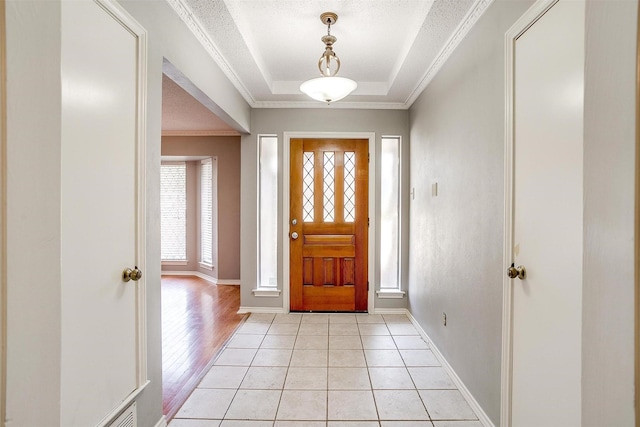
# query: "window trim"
394,292
174,262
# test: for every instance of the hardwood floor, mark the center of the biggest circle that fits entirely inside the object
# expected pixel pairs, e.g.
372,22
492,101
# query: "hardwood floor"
197,319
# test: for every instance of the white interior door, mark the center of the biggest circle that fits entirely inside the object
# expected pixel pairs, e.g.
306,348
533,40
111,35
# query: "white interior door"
102,344
547,219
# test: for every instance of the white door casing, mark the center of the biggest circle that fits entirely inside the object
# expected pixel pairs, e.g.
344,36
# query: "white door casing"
103,338
3,211
542,318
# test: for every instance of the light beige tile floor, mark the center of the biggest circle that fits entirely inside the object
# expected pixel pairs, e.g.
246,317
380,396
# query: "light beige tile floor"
326,370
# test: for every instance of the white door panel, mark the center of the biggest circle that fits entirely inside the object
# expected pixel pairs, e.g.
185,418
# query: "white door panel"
99,198
547,219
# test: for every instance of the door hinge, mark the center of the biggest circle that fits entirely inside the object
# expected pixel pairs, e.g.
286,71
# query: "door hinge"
368,157
367,286
368,222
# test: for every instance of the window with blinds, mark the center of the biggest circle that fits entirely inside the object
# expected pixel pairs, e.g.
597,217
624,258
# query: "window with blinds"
206,212
173,211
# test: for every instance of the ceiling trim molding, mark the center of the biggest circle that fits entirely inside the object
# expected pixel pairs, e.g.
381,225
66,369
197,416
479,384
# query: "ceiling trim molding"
470,19
338,105
200,133
192,23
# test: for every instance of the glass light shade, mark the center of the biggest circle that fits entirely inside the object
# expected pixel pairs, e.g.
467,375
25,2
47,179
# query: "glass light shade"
328,89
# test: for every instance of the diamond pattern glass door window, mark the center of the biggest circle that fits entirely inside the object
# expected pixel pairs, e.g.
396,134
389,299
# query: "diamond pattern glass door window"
329,186
308,170
349,186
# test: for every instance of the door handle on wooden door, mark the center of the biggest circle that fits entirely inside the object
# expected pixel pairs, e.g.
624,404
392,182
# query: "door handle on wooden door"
294,235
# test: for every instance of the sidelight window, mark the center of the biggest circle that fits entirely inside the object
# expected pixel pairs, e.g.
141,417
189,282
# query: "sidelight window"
390,215
268,212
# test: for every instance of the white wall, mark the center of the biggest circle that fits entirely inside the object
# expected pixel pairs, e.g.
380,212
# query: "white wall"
455,259
277,121
609,168
33,213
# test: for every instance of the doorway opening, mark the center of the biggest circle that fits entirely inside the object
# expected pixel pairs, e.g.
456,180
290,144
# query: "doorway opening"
329,218
371,273
200,235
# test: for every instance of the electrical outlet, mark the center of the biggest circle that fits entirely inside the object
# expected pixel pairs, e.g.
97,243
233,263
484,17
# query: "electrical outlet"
444,319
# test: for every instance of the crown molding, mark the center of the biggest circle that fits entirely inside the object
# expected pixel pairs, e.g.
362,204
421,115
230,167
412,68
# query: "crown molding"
200,133
338,105
192,23
470,19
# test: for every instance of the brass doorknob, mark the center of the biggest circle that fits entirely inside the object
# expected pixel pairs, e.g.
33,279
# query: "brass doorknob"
520,272
129,274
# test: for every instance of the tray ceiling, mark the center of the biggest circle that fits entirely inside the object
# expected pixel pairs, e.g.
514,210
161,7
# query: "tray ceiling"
391,48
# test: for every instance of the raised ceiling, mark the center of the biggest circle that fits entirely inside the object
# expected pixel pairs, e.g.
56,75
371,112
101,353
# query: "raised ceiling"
391,48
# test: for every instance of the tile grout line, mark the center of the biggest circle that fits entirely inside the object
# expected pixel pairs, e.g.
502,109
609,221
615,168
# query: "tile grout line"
286,375
373,395
326,412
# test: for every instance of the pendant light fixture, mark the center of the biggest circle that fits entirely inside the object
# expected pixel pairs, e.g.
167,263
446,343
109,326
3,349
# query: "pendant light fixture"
328,88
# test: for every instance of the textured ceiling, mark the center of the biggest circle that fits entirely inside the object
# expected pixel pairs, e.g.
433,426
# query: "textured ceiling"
391,48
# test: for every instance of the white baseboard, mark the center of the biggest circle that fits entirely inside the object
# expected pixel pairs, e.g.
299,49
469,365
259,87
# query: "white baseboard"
162,422
482,416
209,279
275,310
389,311
229,282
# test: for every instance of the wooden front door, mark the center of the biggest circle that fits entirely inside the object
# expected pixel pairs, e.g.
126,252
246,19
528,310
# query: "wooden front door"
328,224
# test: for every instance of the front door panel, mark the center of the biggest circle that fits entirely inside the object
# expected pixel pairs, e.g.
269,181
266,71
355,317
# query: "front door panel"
328,224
